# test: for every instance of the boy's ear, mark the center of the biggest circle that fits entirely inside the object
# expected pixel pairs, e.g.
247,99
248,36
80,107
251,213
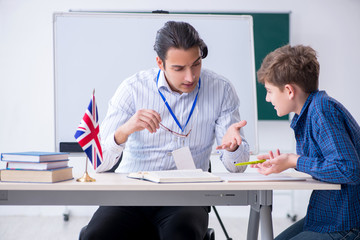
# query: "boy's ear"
290,89
160,63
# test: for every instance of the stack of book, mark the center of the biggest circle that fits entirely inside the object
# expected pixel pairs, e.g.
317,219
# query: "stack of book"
44,167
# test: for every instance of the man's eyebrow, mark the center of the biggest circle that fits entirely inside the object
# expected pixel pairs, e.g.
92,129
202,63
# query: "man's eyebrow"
197,59
184,65
177,66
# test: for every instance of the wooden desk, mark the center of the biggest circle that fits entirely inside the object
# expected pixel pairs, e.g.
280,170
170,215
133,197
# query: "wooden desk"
116,189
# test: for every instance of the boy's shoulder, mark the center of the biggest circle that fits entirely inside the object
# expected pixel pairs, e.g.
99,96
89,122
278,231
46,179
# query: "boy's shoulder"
323,106
321,101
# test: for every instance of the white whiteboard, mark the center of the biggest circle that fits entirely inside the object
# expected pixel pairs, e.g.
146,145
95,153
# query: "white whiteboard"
99,50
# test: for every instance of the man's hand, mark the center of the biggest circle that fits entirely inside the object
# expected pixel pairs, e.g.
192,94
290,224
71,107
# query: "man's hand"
276,163
232,138
142,119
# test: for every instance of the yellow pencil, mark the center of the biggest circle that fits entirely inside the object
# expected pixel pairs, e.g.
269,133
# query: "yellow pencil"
249,163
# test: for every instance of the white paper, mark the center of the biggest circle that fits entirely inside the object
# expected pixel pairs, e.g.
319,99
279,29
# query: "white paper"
256,177
183,158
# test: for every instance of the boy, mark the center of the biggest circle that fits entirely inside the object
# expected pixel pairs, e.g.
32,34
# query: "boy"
327,144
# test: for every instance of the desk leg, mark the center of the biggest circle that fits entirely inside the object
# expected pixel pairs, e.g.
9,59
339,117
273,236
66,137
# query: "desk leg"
264,215
253,226
260,213
266,223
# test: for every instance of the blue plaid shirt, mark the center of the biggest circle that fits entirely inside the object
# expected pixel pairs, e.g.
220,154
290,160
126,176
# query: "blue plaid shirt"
328,142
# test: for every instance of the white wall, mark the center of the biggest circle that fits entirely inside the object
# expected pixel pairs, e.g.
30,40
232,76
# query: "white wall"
26,60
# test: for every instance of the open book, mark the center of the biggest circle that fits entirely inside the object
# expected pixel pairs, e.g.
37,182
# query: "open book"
176,176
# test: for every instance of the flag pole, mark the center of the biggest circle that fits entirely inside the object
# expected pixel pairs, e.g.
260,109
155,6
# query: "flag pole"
87,134
86,177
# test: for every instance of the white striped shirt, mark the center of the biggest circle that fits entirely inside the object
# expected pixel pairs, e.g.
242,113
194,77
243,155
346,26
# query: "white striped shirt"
217,108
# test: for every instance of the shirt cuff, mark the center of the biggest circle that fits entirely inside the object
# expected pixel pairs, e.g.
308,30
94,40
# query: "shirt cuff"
111,154
301,164
112,145
241,154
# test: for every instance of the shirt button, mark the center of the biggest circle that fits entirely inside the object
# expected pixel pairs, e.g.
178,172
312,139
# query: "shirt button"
169,154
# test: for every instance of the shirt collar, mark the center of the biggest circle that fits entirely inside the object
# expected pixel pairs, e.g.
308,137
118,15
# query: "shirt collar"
304,109
163,84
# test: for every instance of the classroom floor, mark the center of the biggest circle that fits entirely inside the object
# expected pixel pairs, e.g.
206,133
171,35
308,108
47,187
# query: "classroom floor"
55,228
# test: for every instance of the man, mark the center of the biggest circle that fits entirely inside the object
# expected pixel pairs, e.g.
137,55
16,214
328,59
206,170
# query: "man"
178,105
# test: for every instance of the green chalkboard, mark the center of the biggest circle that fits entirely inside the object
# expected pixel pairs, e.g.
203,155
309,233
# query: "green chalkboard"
271,30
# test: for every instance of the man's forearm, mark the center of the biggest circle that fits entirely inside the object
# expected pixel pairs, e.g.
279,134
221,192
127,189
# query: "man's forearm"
121,135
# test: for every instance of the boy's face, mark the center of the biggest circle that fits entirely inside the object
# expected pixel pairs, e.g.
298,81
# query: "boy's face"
182,69
280,99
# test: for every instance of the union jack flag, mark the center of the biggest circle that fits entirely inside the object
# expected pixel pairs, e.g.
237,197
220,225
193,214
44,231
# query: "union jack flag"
87,134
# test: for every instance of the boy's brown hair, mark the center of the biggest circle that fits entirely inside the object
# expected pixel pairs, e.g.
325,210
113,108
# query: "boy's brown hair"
286,65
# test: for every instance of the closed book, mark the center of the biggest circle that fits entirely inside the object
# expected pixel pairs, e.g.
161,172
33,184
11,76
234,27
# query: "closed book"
176,176
34,156
37,176
37,166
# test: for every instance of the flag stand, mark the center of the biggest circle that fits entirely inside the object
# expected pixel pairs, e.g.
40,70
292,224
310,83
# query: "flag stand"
86,177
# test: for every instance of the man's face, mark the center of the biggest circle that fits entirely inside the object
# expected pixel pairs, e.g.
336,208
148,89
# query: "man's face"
182,68
279,99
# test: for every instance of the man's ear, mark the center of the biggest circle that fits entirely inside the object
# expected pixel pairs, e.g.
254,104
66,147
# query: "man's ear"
160,63
290,89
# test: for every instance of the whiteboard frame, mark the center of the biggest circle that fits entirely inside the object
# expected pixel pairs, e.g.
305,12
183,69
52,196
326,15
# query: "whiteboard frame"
254,145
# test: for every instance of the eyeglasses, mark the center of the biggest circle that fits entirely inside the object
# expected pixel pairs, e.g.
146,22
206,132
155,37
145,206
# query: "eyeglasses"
175,133
195,113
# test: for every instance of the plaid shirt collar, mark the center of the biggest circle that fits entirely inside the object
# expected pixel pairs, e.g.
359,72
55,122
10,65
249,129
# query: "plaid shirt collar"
304,109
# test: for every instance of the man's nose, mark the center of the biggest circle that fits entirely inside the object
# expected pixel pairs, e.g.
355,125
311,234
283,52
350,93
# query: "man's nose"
189,75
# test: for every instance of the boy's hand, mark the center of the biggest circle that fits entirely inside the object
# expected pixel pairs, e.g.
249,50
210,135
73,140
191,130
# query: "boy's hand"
276,163
232,138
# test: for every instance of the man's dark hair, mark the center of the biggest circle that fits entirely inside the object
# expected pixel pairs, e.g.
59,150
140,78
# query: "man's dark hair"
179,35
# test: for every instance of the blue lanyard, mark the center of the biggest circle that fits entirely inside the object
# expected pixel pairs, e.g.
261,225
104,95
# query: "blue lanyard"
168,106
